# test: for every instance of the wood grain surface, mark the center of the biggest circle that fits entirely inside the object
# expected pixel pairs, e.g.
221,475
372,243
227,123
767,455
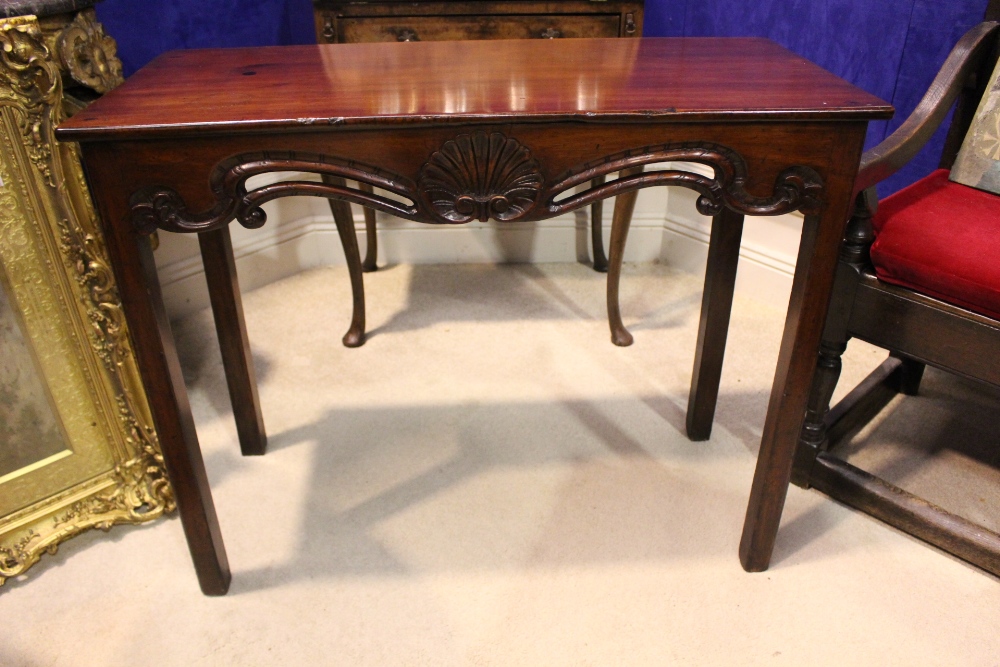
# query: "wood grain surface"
595,80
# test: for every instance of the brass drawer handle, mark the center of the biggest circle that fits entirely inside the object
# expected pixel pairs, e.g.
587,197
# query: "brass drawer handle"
407,35
630,24
328,32
550,33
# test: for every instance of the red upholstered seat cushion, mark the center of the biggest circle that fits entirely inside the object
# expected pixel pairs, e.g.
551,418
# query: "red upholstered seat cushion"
941,239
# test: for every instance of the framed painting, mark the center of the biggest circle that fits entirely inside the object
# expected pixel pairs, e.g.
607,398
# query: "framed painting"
978,161
77,448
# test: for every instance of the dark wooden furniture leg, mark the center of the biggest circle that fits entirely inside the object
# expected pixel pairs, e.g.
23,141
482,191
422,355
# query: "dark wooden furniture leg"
822,425
371,246
139,287
894,376
807,307
355,336
161,371
713,327
596,232
620,222
227,307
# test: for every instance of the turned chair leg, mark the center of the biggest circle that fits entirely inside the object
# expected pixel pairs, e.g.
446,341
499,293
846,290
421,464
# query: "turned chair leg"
371,245
911,372
821,426
227,307
355,336
814,437
620,222
596,231
713,328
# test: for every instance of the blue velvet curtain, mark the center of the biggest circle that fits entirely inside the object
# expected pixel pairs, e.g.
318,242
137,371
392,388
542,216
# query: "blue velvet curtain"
146,28
891,48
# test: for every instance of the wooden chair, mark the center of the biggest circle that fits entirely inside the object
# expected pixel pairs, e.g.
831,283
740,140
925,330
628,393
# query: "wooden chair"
924,291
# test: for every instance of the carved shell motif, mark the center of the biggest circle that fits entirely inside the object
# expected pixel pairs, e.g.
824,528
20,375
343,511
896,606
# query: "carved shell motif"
480,176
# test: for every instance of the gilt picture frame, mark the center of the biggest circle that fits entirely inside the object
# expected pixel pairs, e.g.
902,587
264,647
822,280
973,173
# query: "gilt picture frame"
77,415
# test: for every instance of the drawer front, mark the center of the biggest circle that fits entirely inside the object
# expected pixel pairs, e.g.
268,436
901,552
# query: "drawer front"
442,28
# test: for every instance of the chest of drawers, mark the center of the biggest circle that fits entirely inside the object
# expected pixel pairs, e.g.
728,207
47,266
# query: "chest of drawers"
346,21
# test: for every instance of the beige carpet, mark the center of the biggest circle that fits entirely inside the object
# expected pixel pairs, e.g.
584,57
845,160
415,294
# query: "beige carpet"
488,481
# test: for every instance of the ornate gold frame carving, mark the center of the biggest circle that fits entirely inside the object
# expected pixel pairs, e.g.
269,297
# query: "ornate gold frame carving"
53,262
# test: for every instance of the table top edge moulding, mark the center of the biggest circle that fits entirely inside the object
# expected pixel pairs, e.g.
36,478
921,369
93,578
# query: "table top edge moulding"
502,130
312,87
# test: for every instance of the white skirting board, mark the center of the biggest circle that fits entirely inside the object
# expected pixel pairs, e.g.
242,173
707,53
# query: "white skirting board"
300,235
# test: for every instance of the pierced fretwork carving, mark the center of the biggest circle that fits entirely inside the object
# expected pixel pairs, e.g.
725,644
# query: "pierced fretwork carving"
163,208
476,176
796,188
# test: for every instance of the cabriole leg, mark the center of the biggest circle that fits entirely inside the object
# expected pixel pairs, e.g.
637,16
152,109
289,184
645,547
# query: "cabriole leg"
624,206
355,336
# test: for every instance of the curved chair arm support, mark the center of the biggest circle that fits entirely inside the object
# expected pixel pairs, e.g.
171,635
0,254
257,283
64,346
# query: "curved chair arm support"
901,146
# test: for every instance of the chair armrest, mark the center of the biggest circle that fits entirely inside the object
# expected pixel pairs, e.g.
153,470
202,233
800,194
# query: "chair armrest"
901,146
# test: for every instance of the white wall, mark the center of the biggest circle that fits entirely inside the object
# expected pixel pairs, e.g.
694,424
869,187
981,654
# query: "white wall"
300,234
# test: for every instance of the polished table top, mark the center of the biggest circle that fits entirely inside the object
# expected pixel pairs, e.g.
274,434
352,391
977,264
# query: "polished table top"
591,80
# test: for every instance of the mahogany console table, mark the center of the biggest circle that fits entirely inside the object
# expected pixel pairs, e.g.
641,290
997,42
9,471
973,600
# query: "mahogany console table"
471,130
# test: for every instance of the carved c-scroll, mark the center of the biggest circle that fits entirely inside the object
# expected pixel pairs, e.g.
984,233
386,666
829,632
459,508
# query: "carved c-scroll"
162,208
796,188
